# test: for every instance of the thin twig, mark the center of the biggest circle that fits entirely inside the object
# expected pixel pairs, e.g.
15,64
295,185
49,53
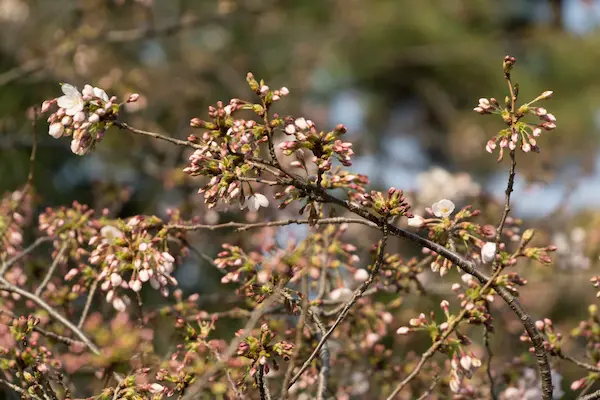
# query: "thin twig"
581,364
592,396
243,227
298,341
358,293
88,303
9,287
7,264
488,367
236,391
50,272
424,396
586,389
263,387
155,135
437,344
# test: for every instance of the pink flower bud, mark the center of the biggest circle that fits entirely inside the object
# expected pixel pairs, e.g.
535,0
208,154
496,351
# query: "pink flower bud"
361,275
539,324
416,221
56,130
403,330
46,105
133,98
290,129
465,362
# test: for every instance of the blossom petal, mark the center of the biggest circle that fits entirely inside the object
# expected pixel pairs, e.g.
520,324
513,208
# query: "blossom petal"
69,89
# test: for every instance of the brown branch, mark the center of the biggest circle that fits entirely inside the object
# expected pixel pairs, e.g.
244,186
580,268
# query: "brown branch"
263,387
155,135
243,227
9,287
592,396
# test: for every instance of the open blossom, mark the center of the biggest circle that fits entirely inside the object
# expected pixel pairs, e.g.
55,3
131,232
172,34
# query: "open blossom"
443,208
72,101
488,252
256,201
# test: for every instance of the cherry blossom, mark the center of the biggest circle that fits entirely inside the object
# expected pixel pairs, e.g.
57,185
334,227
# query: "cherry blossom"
256,201
443,208
72,101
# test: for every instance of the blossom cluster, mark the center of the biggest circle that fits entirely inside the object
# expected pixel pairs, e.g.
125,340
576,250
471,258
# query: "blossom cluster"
84,115
518,134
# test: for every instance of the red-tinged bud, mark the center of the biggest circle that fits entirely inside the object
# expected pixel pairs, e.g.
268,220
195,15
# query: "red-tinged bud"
133,98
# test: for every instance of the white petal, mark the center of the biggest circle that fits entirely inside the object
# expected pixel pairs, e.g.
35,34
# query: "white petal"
100,94
252,204
88,90
65,101
69,89
261,200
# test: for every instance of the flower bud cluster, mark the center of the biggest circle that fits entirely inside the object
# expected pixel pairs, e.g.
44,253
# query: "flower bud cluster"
462,366
129,256
519,134
72,227
394,204
325,146
14,211
84,115
260,350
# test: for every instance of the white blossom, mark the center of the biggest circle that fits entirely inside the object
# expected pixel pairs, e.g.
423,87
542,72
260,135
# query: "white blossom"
256,201
443,208
101,94
72,101
403,330
301,124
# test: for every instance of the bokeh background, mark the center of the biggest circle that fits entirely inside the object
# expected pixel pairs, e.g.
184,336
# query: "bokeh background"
403,75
